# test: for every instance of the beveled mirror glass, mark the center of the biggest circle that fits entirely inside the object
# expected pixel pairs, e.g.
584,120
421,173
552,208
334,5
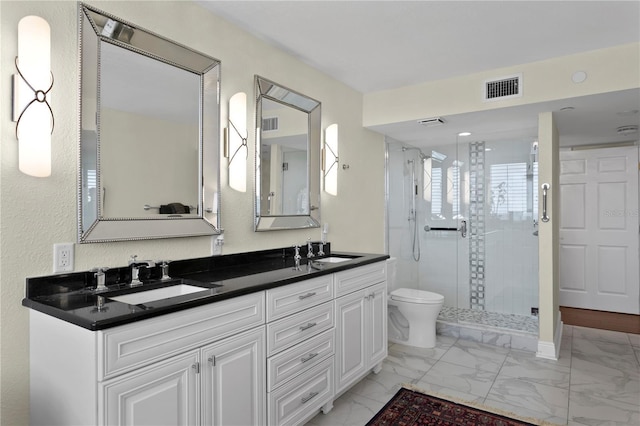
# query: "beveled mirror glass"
149,139
287,158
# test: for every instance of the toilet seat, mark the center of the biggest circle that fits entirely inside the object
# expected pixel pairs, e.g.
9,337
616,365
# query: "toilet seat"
416,296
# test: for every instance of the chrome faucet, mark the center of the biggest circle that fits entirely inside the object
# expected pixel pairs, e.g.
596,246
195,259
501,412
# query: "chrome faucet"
321,249
135,269
310,249
296,257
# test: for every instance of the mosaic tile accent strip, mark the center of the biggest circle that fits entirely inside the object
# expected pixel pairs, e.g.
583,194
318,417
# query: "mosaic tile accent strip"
475,225
498,320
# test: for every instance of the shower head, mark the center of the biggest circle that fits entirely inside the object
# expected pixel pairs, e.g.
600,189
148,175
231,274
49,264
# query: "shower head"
422,155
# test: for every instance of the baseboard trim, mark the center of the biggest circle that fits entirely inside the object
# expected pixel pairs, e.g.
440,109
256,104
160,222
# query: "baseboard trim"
626,323
551,350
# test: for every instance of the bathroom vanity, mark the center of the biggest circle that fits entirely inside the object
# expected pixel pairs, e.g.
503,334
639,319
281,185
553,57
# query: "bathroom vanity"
260,343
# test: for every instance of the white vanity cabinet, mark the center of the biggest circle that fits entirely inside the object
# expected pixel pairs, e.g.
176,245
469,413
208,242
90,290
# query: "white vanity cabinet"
271,357
300,349
203,365
361,323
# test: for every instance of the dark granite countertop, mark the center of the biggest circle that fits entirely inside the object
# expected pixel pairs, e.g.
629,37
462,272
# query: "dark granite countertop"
71,297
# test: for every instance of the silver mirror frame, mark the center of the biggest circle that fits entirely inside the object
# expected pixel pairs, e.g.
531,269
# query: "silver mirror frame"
267,89
207,219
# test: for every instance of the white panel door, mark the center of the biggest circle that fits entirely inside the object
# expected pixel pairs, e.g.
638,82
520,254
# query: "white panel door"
599,229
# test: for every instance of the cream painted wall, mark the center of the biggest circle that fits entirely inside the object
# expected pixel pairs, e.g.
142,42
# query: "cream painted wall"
36,213
608,70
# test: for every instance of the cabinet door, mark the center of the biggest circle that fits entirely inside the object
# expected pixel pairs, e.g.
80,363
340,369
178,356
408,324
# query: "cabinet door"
377,323
351,349
234,382
166,393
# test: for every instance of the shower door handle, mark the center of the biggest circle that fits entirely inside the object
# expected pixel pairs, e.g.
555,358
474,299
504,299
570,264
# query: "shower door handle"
545,216
463,228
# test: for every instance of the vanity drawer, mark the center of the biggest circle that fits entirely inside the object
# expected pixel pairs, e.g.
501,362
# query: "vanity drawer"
292,298
298,359
134,345
286,332
295,401
354,279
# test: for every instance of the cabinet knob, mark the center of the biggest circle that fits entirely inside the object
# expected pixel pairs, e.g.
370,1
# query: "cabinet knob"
196,367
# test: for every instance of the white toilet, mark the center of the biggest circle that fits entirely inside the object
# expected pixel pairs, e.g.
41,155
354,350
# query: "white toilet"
418,310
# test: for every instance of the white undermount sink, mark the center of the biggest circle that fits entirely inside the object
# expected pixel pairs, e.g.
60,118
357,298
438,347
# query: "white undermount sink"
157,294
332,259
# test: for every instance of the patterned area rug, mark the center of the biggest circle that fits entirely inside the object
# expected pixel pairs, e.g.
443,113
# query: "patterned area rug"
411,408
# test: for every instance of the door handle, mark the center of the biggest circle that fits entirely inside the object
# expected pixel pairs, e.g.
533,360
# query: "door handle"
463,228
545,216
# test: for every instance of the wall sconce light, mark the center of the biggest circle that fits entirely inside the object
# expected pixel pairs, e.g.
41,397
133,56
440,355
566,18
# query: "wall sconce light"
236,141
31,86
330,159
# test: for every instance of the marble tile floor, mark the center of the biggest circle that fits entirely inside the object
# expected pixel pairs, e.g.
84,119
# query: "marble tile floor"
596,380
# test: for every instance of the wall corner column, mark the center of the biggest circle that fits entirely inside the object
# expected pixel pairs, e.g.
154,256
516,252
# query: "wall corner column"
550,322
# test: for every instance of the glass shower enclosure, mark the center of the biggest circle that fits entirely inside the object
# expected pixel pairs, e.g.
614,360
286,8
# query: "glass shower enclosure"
461,220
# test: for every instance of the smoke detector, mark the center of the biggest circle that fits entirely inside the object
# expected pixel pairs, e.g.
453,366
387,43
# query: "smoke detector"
430,122
627,130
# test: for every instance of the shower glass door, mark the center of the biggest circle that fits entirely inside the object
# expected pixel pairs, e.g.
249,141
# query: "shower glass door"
461,222
492,185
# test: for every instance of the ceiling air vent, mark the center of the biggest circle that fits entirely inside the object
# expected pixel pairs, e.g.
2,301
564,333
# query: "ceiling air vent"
503,88
627,130
269,124
430,122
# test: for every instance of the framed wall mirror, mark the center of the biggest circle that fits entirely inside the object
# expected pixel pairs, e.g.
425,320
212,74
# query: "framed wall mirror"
149,134
287,158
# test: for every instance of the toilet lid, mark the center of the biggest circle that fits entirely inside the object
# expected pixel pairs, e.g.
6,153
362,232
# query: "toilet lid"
416,296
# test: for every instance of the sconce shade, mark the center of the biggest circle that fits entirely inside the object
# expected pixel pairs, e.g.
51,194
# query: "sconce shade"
330,160
237,139
31,97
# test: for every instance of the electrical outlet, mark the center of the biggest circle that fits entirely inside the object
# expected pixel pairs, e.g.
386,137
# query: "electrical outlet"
63,257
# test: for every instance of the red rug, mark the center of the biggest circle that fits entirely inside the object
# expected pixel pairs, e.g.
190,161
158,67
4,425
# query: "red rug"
410,408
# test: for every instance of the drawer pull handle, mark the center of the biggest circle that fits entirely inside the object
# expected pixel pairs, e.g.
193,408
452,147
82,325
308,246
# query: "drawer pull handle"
308,397
309,357
308,326
306,296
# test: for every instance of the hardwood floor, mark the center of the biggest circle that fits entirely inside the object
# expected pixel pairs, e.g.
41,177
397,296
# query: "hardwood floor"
626,323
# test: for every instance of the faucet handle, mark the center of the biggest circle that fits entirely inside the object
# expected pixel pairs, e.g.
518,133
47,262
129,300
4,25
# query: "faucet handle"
133,259
100,277
320,248
310,248
164,264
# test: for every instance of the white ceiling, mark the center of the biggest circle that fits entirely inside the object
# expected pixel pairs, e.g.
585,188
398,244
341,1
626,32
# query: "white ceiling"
377,45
